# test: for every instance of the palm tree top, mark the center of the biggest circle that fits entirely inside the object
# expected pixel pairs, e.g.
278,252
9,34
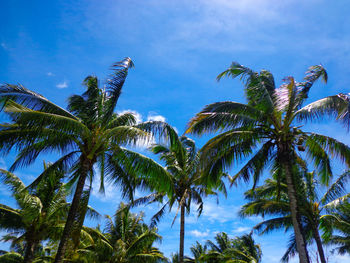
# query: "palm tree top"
270,118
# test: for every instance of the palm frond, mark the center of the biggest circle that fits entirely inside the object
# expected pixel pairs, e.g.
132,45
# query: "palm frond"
259,88
125,119
337,189
208,121
317,152
30,99
312,75
114,85
255,166
10,219
333,147
13,181
273,224
157,216
29,118
152,173
337,106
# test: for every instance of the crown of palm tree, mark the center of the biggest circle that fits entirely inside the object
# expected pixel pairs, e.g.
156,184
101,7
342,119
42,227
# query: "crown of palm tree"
126,238
270,117
40,214
241,249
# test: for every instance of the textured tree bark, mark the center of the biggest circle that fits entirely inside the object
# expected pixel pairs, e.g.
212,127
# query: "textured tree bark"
317,238
29,253
182,234
72,213
285,158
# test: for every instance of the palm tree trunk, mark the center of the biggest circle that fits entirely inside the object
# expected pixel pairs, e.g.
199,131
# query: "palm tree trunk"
285,159
182,234
29,253
73,211
319,244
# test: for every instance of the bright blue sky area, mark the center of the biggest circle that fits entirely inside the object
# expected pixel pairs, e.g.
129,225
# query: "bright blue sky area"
178,48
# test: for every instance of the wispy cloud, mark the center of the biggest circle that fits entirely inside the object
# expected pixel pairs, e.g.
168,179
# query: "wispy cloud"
155,117
242,229
62,85
224,26
50,74
197,233
219,213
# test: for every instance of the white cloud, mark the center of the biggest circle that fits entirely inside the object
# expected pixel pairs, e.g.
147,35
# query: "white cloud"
111,192
219,213
50,74
198,233
154,117
242,229
212,25
62,85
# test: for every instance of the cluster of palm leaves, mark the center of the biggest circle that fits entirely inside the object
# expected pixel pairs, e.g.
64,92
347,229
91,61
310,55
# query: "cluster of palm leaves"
92,139
242,249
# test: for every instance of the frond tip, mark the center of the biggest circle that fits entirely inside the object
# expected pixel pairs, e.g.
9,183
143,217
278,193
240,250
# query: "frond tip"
125,63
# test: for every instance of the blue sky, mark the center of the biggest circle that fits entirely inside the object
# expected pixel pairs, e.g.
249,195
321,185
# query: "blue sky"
178,48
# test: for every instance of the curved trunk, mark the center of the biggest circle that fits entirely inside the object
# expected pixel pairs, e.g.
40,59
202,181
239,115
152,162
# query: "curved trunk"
80,218
29,253
182,234
73,211
318,240
285,159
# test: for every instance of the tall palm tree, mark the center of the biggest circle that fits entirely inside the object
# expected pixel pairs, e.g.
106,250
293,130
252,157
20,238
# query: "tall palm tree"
89,133
181,159
266,129
271,199
40,212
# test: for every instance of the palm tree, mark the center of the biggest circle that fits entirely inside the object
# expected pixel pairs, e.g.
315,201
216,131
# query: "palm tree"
240,249
337,228
125,239
198,251
40,212
181,160
266,129
90,133
272,199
